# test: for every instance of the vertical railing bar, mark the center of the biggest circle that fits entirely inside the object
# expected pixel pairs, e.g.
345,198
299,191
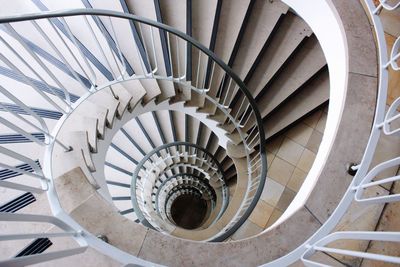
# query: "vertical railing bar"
73,55
227,92
212,74
177,56
198,69
23,119
244,114
16,35
98,45
170,54
240,108
21,131
151,73
45,36
72,37
153,46
27,80
24,107
121,57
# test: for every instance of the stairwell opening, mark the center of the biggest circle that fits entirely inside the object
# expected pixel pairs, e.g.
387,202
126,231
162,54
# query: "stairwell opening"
189,211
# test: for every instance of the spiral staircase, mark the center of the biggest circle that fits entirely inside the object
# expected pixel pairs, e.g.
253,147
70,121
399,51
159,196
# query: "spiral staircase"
198,133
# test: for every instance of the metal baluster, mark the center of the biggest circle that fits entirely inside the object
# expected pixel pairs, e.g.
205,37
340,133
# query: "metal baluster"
16,35
244,115
198,69
28,81
121,57
169,55
99,47
92,79
25,108
45,36
151,72
211,77
153,46
72,37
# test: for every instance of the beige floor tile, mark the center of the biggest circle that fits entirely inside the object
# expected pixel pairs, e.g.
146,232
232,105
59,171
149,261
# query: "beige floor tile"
326,108
313,119
274,144
270,158
321,123
296,180
390,221
285,200
314,141
394,76
358,217
290,151
274,217
300,133
391,21
272,192
261,214
280,171
306,160
246,230
388,147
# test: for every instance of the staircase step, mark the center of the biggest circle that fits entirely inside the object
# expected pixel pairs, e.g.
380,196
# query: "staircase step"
167,90
105,99
124,99
183,93
92,110
90,210
235,137
79,141
264,16
136,90
308,61
235,151
291,32
196,100
209,107
90,124
313,95
229,127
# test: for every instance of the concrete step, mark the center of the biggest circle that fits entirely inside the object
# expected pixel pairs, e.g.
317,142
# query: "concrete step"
90,124
307,62
263,18
96,215
124,99
80,142
312,95
105,99
136,90
286,38
95,111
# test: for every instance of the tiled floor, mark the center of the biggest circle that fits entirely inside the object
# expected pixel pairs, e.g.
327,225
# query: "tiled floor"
290,157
